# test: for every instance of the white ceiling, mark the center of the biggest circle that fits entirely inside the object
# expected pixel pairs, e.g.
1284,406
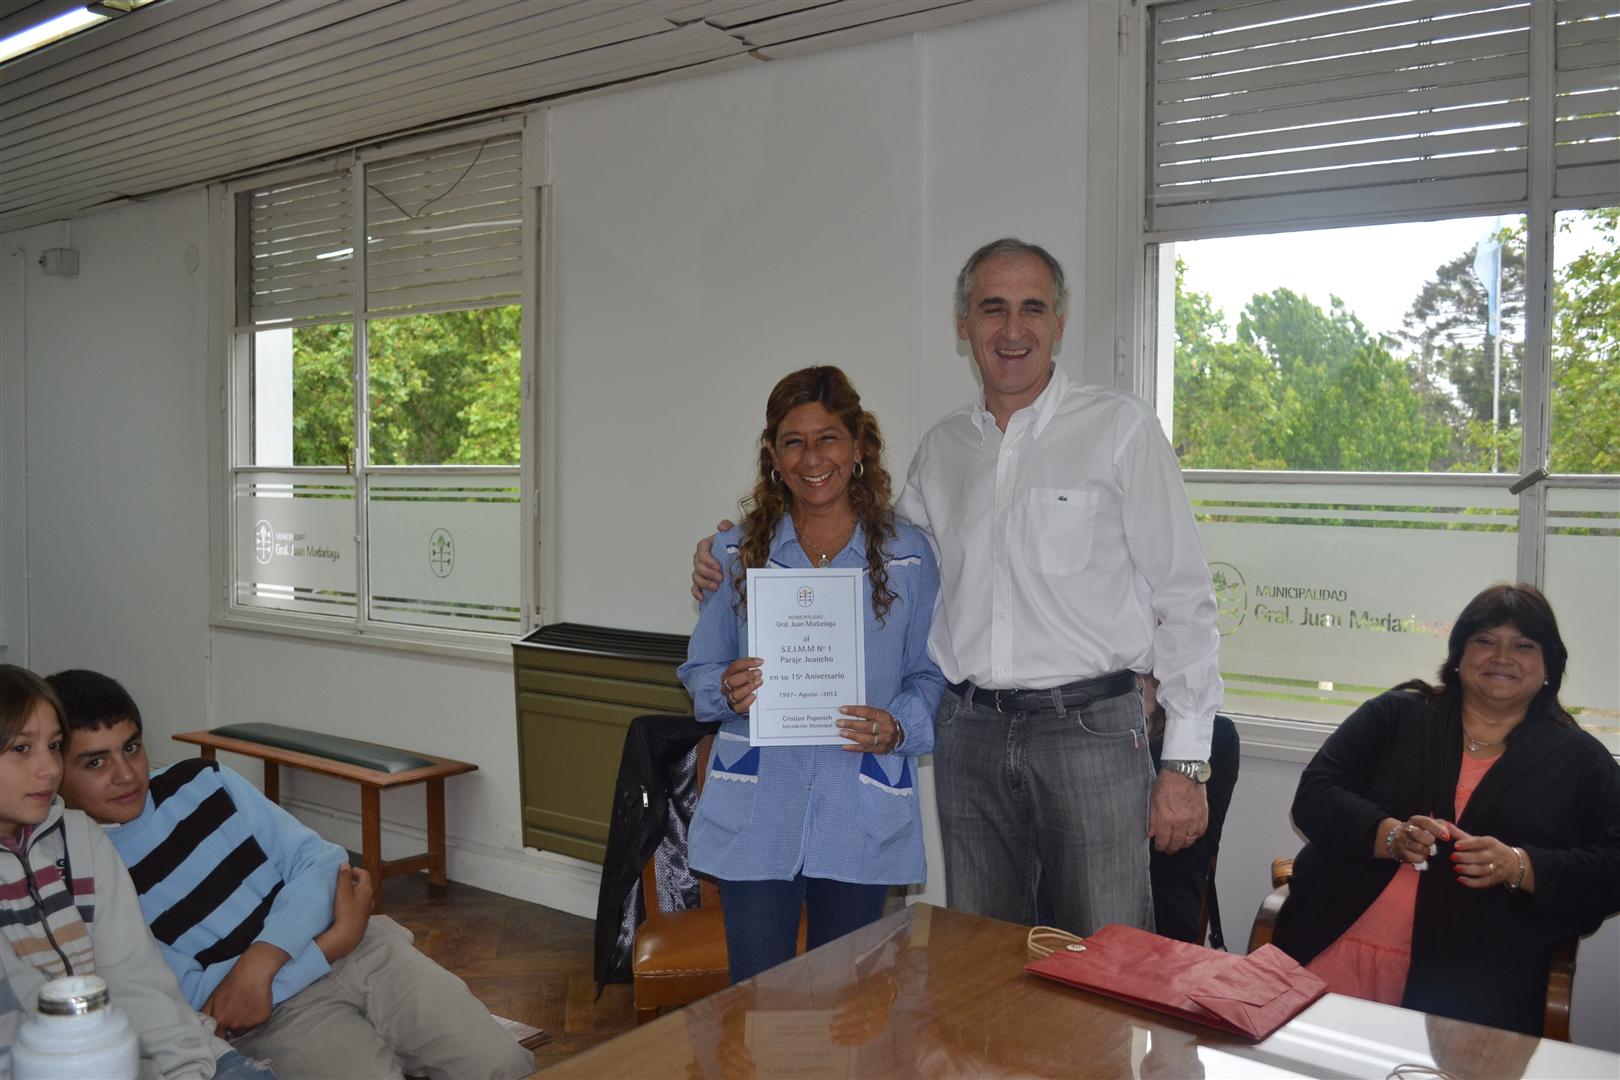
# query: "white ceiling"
186,91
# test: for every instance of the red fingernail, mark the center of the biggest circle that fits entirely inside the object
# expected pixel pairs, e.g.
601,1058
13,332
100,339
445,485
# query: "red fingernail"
1454,856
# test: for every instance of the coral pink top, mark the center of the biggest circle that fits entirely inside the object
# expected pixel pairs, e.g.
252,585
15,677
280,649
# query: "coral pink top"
1370,960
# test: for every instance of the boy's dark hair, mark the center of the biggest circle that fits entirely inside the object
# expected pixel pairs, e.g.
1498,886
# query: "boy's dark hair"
92,701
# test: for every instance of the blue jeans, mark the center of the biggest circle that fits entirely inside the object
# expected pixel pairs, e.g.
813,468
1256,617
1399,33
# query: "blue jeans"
1059,795
762,918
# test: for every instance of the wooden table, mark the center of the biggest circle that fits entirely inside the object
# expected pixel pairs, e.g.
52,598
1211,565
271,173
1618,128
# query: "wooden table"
933,992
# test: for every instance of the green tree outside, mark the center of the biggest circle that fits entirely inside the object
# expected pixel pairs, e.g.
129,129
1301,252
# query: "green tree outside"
1586,357
1299,387
445,389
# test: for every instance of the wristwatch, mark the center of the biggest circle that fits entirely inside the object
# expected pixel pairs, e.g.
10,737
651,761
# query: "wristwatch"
1196,771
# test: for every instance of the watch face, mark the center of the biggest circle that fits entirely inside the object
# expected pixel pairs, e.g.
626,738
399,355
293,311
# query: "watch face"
1196,771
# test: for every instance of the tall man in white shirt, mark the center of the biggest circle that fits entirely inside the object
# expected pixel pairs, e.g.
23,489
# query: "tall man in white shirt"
1069,561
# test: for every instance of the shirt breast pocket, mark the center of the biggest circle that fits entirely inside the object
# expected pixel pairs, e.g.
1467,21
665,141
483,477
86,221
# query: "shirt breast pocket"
1058,525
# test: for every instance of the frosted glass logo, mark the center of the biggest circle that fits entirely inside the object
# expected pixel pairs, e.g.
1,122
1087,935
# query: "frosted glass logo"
441,553
1231,596
264,542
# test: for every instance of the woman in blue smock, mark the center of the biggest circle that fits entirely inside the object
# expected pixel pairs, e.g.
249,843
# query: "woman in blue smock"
826,828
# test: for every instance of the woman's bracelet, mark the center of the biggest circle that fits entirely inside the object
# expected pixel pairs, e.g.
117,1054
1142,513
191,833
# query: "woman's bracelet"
1513,886
1389,841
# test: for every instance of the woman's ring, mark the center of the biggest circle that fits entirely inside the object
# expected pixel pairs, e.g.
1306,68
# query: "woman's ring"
874,729
1491,866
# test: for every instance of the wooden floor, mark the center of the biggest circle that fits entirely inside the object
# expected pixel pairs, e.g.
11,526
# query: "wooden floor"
524,961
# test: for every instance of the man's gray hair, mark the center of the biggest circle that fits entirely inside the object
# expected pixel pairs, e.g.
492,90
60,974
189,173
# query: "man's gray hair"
1007,245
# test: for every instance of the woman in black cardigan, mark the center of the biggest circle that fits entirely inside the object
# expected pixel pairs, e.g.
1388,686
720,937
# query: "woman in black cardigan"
1532,858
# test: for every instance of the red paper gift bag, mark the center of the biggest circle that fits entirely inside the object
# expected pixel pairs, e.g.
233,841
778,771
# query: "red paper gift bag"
1251,995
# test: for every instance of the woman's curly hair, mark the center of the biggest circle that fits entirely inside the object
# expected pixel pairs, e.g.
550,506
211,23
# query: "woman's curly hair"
869,493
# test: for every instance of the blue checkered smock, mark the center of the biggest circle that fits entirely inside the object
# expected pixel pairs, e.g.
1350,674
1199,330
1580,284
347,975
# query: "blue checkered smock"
769,812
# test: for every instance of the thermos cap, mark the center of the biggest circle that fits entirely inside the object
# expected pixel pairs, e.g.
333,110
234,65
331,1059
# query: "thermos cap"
73,995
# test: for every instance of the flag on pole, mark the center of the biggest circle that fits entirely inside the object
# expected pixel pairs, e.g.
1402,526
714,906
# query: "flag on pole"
1488,268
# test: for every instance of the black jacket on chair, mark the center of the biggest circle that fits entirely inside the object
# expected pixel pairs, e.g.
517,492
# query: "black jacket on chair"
653,800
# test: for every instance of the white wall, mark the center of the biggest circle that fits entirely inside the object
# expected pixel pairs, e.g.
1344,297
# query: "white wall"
714,234
117,454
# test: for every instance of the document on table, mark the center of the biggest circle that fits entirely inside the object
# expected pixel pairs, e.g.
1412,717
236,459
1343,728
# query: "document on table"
809,626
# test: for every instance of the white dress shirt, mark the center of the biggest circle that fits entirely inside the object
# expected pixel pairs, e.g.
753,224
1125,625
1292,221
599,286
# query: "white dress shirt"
1067,550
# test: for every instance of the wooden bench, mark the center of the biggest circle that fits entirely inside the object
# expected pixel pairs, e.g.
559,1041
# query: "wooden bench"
371,765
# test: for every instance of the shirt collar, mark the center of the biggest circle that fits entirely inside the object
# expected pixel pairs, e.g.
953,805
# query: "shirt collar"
1044,407
786,543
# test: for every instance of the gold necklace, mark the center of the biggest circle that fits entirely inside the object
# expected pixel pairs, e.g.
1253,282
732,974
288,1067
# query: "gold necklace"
1475,746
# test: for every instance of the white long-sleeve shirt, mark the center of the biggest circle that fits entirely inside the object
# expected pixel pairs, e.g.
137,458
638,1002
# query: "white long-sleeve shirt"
1067,550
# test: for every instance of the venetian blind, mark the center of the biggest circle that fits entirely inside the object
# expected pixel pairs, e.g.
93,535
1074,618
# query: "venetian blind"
445,228
299,248
1286,111
1586,131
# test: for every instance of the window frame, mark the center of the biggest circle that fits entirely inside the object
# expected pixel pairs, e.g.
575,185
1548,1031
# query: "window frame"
1143,274
231,430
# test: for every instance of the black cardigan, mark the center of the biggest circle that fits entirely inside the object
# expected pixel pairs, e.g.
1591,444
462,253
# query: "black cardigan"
1477,954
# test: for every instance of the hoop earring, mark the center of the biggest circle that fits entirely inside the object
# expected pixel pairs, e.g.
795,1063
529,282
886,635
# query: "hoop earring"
859,470
776,477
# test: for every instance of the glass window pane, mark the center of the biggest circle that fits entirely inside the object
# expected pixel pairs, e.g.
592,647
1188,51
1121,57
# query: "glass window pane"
303,395
1374,349
1583,583
446,550
1585,428
446,389
1330,593
295,542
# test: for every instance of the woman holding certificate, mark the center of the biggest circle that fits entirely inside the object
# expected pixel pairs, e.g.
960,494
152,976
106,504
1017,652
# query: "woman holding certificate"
808,803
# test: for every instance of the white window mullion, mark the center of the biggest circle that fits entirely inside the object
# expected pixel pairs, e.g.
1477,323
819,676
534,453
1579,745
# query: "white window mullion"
1536,374
536,239
362,406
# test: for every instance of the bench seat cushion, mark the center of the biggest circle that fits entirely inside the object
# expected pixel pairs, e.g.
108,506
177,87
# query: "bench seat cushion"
367,755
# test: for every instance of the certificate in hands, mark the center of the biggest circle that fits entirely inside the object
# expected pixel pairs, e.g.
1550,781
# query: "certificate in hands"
809,627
